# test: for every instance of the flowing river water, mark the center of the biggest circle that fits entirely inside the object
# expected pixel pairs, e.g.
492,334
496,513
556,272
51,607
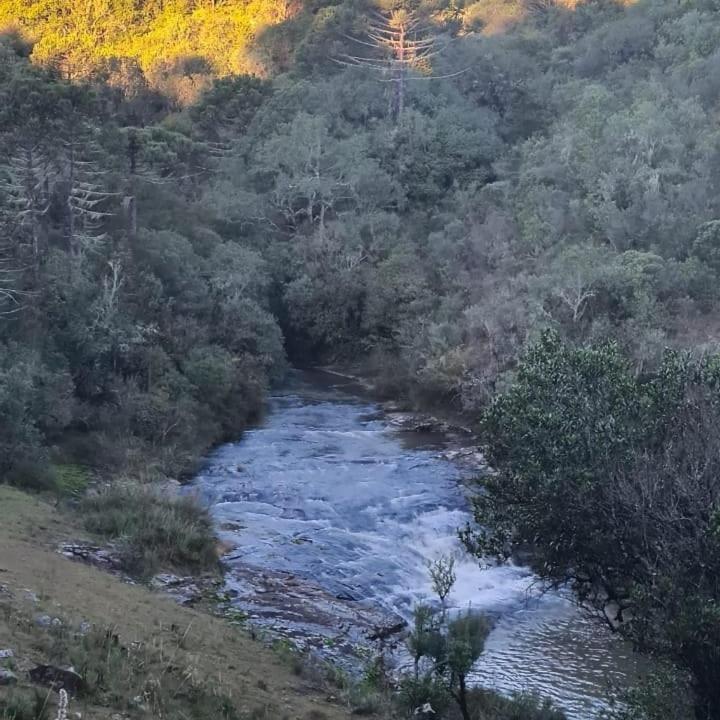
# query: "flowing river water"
333,515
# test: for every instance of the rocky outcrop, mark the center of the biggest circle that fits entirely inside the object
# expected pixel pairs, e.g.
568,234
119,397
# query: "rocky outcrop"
105,558
184,590
332,626
423,423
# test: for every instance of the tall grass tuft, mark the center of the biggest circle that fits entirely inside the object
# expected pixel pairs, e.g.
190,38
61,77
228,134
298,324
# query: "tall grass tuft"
153,531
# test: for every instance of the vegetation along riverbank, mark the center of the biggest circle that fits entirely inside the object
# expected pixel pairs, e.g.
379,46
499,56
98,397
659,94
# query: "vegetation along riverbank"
508,209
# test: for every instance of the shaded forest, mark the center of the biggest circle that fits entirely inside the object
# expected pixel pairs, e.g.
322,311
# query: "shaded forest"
171,228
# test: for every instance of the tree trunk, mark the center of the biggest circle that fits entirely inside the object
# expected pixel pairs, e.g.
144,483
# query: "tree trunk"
462,698
401,78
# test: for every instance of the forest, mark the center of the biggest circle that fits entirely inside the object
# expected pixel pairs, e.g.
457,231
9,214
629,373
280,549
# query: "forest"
516,220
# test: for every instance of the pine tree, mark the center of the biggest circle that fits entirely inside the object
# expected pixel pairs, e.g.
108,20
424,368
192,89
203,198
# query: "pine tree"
26,182
402,43
85,198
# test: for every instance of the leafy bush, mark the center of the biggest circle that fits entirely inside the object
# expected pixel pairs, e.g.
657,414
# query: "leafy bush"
35,402
71,479
153,531
614,481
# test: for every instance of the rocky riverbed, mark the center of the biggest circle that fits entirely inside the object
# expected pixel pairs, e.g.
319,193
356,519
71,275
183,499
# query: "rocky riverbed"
333,507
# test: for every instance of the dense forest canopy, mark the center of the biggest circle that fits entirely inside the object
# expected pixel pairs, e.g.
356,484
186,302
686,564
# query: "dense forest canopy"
194,192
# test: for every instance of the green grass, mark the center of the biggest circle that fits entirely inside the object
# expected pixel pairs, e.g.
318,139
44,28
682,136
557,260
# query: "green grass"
143,679
24,704
153,532
71,479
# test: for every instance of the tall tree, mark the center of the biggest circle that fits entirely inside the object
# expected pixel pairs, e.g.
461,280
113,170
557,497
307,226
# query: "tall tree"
614,483
401,42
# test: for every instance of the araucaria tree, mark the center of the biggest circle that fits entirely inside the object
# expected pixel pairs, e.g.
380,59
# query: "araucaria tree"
401,42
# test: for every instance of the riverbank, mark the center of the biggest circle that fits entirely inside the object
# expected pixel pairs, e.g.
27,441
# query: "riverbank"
434,423
421,415
166,659
321,575
124,652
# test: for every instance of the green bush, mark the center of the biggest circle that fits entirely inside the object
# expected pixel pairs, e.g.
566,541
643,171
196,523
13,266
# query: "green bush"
33,474
34,405
71,479
153,531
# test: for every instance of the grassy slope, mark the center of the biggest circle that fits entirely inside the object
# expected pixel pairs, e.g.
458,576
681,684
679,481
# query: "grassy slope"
259,682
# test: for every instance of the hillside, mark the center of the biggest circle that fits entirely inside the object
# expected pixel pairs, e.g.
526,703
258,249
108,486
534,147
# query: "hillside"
171,660
561,176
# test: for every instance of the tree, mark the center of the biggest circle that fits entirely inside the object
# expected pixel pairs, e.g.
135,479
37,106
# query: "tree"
443,577
401,42
27,183
85,199
614,482
450,645
575,276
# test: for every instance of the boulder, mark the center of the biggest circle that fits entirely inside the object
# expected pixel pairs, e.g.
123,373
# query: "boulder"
58,678
7,677
386,631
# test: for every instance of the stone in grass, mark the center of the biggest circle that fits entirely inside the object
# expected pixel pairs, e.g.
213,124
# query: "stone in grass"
7,677
45,621
58,678
7,653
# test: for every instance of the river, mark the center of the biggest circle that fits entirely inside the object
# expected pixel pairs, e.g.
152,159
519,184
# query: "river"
333,514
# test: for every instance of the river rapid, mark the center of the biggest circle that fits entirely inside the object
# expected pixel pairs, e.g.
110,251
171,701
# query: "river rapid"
333,514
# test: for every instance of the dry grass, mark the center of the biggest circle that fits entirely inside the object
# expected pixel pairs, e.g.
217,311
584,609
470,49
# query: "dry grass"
189,653
155,532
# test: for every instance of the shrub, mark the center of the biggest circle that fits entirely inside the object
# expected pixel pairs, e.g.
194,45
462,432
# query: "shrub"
24,705
140,676
34,405
71,479
153,531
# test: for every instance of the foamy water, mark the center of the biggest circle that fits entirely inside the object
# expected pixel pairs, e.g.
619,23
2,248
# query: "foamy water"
326,490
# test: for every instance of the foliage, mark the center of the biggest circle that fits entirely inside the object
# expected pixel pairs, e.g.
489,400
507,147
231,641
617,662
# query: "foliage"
23,705
442,576
140,676
175,47
612,480
666,692
71,479
121,317
153,531
445,647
